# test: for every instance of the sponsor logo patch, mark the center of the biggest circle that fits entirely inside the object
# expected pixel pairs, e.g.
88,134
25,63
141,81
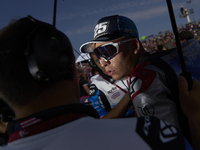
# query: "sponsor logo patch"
115,95
168,132
112,90
93,90
146,109
22,133
147,124
158,134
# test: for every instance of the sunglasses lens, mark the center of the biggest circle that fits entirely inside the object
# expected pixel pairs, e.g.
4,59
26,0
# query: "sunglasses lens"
98,52
111,50
105,51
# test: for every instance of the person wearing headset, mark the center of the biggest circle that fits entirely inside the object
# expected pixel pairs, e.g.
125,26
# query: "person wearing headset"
83,87
38,79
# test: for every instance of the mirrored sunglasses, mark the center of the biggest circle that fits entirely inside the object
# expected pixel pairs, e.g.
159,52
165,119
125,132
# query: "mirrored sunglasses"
108,50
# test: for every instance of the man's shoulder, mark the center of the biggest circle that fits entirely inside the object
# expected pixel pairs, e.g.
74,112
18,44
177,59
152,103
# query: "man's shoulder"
191,42
141,133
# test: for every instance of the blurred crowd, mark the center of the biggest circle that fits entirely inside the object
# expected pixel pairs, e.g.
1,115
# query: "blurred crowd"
86,70
167,39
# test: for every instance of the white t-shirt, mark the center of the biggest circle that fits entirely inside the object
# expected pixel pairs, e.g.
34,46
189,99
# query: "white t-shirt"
88,133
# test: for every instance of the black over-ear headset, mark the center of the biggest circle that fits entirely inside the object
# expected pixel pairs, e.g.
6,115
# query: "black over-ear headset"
49,53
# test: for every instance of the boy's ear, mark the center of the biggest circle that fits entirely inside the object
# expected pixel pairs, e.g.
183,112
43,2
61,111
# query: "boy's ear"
136,45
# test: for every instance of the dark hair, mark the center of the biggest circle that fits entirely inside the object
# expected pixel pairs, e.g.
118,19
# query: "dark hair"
16,84
186,35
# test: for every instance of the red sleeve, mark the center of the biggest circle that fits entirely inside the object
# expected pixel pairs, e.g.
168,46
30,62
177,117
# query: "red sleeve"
145,75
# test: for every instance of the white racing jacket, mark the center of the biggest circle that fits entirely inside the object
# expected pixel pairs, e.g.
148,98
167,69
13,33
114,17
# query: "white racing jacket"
105,93
154,84
148,91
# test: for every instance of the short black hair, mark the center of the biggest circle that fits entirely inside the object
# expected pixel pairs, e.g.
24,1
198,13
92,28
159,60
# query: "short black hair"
187,35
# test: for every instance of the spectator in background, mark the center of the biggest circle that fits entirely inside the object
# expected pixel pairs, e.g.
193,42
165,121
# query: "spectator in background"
185,36
95,74
83,87
158,46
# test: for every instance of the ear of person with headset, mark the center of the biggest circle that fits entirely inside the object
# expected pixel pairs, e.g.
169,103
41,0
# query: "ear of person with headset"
49,53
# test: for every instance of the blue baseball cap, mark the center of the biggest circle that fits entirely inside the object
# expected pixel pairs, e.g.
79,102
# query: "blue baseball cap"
110,28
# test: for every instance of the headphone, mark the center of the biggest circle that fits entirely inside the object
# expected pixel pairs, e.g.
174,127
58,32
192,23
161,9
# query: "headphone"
93,65
49,53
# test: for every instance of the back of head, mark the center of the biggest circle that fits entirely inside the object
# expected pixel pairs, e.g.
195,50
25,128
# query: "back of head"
186,35
32,54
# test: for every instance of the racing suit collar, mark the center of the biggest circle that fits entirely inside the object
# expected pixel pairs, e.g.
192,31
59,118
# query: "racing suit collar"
108,78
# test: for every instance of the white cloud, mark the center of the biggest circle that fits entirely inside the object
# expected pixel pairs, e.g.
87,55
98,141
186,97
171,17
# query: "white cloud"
110,8
146,14
84,29
143,14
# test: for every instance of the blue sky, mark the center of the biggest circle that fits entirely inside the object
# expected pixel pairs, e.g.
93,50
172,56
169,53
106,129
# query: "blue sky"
77,18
